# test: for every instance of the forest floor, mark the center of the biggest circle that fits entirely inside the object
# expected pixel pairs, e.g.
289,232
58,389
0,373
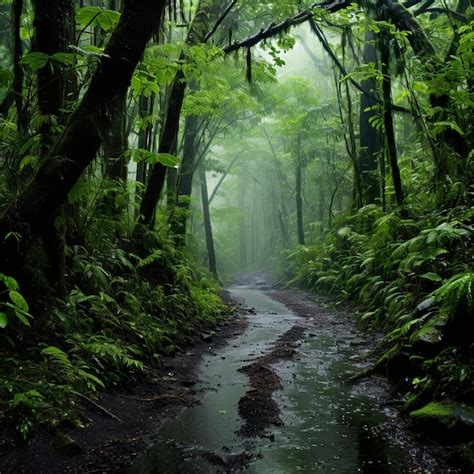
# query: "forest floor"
124,428
120,427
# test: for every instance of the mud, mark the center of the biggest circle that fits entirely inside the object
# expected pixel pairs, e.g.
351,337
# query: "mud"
257,407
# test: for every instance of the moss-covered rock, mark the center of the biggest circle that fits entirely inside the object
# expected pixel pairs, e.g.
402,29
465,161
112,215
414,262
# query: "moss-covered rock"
450,421
64,445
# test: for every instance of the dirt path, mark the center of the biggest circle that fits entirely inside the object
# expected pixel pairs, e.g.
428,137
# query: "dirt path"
264,406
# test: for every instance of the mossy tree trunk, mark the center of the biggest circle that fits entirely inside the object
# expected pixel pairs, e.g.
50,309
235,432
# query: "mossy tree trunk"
185,180
41,199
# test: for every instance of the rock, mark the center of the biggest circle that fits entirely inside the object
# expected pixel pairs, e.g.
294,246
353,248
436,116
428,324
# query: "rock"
170,350
64,445
206,337
450,421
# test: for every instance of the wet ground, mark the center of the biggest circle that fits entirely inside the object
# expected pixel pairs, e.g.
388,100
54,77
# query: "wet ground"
267,392
277,400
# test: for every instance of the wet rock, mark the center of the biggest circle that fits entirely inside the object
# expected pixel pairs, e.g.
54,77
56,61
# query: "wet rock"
170,350
214,459
64,445
450,421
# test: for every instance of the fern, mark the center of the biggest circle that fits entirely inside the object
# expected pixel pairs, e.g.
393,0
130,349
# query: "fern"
77,375
61,360
457,291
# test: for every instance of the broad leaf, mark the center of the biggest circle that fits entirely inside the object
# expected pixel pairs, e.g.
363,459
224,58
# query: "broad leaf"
140,155
3,320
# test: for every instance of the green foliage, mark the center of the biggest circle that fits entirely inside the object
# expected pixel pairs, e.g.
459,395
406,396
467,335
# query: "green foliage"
412,277
97,17
144,156
13,303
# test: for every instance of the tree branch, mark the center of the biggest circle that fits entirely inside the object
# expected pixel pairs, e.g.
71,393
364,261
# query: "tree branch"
220,20
320,35
223,177
274,29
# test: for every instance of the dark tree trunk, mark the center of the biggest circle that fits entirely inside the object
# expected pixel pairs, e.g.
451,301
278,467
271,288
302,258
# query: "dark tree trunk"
299,198
54,32
207,221
370,145
388,118
185,181
145,142
116,142
169,137
171,186
39,202
168,144
18,75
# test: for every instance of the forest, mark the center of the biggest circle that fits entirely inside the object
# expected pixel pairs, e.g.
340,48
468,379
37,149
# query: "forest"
169,166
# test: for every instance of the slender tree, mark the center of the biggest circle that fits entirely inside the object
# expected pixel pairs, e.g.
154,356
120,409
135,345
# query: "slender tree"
207,220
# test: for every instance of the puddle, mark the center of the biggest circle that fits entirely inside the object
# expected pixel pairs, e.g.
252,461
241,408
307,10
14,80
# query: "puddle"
329,426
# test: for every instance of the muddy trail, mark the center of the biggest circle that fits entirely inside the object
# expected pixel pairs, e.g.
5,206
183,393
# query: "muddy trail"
268,392
277,400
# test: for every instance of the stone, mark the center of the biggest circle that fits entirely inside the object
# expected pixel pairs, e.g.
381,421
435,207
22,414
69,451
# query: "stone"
64,445
450,421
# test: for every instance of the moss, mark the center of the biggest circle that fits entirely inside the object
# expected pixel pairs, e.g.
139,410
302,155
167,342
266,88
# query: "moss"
433,409
448,420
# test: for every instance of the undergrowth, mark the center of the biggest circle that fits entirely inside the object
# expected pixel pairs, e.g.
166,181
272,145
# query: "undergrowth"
415,280
119,315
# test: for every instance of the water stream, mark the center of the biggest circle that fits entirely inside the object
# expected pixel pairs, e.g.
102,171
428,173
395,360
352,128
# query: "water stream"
330,426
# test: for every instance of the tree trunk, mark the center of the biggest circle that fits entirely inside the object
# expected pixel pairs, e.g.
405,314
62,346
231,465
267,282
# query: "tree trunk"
145,142
54,32
18,75
38,203
207,221
370,145
299,198
168,144
185,180
422,47
169,137
388,118
116,142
